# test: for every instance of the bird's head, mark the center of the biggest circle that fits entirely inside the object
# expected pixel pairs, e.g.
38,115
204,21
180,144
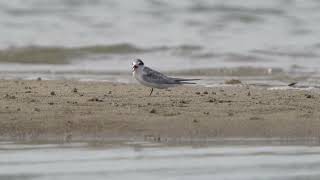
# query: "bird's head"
137,64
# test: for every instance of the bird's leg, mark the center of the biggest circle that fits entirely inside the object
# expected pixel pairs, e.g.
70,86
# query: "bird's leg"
151,91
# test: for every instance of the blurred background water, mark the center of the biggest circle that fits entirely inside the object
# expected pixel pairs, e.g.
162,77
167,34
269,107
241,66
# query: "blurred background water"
155,161
269,42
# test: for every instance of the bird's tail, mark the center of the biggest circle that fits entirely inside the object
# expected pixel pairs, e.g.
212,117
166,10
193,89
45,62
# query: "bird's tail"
182,80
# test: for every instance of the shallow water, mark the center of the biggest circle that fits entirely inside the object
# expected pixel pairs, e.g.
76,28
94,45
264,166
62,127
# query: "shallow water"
142,160
92,40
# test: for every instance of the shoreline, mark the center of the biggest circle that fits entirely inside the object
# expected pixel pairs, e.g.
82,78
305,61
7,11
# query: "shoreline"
72,110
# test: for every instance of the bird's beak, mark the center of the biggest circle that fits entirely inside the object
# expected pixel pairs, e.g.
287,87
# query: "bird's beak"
134,67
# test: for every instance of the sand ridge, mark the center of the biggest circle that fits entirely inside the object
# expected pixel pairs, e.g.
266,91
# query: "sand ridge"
73,110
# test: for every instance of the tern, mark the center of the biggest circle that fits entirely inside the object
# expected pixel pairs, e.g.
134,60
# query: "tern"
154,79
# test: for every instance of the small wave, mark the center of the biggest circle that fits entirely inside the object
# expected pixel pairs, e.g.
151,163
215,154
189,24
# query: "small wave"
233,8
35,54
63,55
303,88
237,71
288,53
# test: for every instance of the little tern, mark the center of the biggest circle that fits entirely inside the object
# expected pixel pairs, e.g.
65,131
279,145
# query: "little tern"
154,79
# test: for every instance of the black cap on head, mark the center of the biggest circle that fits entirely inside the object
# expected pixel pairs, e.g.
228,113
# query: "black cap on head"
139,62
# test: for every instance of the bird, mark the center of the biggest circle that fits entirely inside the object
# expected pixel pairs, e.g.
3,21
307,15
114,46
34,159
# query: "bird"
154,79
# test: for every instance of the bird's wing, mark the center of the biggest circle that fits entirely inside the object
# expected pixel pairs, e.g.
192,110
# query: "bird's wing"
153,76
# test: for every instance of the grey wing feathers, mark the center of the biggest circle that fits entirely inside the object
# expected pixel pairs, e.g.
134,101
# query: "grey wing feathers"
157,77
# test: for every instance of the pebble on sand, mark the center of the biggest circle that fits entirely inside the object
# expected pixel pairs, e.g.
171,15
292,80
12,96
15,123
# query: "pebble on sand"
95,99
308,96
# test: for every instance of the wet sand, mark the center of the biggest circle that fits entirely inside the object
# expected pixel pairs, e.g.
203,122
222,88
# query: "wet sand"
73,110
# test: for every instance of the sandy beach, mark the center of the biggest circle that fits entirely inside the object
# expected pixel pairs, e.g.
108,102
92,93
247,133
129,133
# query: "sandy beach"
73,110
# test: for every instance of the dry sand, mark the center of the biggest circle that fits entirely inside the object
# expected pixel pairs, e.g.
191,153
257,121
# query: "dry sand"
71,110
